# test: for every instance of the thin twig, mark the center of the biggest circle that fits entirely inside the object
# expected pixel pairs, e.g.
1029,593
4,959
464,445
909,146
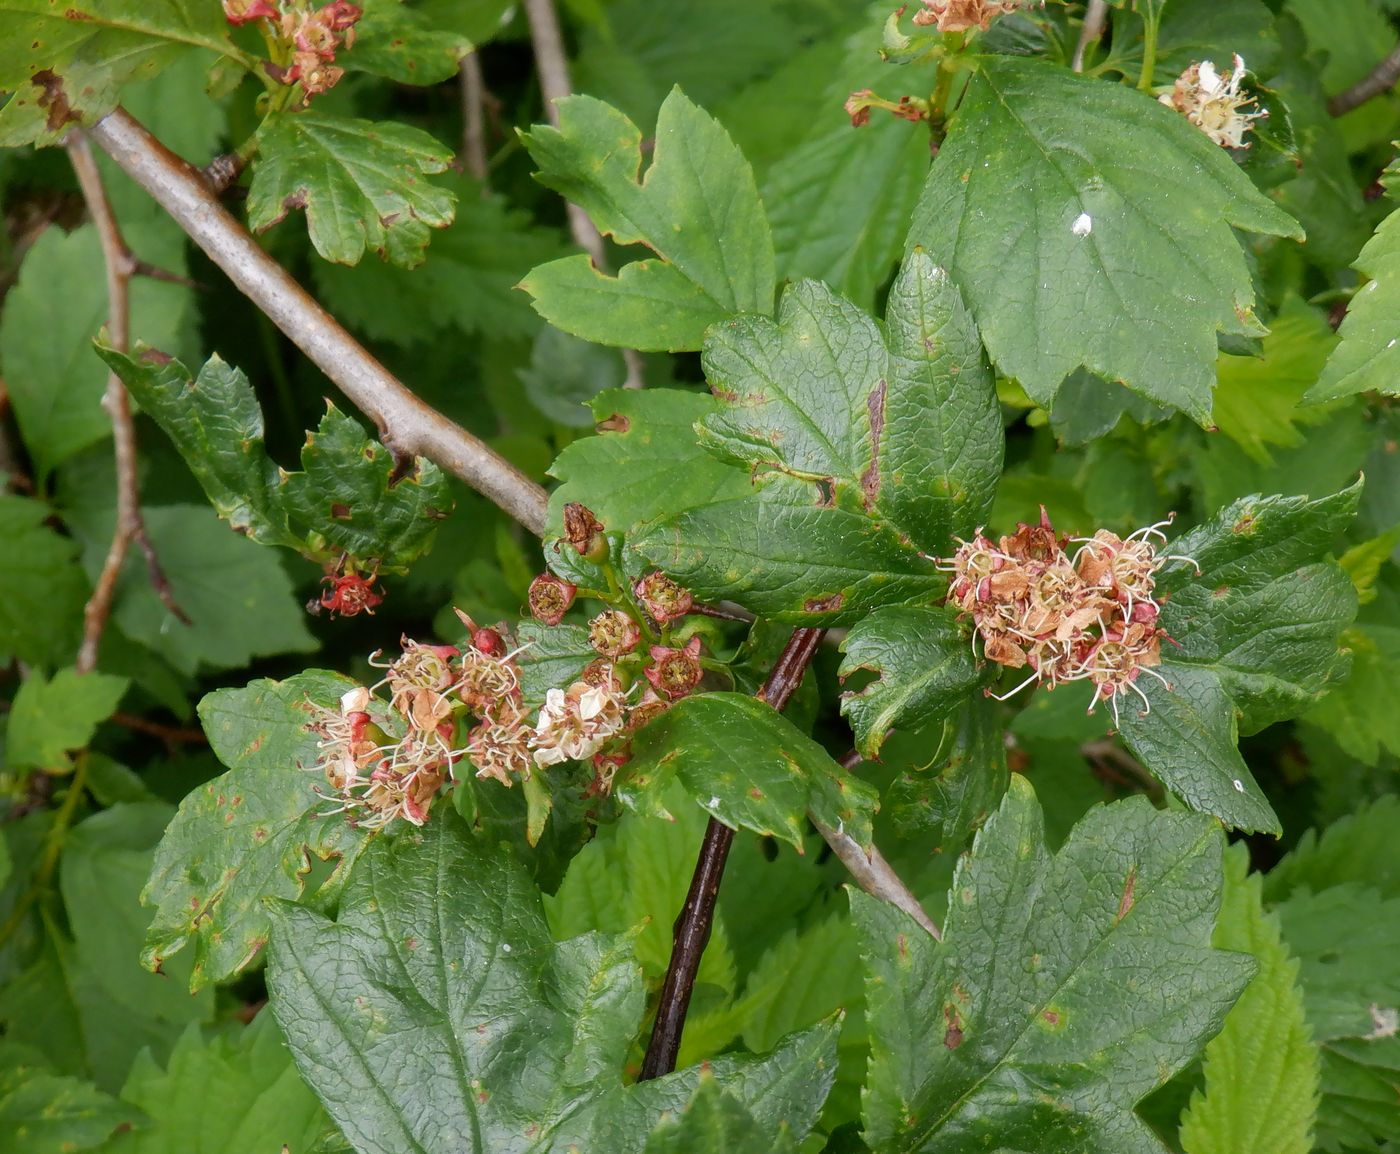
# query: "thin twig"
697,916
473,117
1381,79
1095,20
407,425
553,67
121,266
170,734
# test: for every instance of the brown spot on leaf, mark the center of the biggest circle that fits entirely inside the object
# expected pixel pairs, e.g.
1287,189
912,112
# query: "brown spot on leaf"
824,604
953,1035
54,99
616,423
901,943
339,511
1052,1017
756,793
1125,903
294,200
1244,527
154,357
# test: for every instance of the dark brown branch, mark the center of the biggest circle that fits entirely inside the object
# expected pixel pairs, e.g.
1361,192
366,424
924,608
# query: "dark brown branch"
406,424
1381,79
697,916
121,267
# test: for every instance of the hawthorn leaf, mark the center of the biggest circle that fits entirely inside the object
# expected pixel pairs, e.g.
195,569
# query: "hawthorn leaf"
716,1122
1360,847
1119,258
1261,1070
907,417
42,1112
747,766
42,591
352,492
697,209
633,876
1187,737
261,1103
1028,1027
249,834
362,185
551,655
1367,359
438,1015
66,64
1347,940
403,44
349,497
643,464
786,556
50,717
467,283
121,1008
239,599
217,424
925,671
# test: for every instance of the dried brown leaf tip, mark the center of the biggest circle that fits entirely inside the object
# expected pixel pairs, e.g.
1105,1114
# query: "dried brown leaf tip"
1091,615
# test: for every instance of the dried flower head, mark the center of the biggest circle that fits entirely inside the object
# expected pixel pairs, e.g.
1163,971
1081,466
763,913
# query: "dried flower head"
550,598
1090,617
961,15
243,11
575,722
1214,103
613,633
500,746
663,598
675,673
584,531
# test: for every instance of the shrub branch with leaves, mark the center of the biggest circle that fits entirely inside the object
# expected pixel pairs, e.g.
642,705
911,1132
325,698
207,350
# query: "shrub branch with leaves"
893,731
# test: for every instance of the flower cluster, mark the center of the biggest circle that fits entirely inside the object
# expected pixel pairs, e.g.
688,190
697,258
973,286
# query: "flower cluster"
961,15
314,35
1091,616
1214,103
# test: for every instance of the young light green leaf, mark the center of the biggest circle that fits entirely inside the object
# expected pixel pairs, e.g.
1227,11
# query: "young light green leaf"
924,665
51,717
1130,268
1358,711
42,1112
42,590
697,208
249,834
716,1122
1261,1070
261,1103
361,184
438,1015
644,463
1347,939
65,64
749,767
1368,357
1026,1028
1361,847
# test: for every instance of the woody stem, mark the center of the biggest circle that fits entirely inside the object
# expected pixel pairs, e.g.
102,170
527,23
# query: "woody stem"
697,916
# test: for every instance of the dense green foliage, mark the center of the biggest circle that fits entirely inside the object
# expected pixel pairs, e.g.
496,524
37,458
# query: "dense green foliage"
971,444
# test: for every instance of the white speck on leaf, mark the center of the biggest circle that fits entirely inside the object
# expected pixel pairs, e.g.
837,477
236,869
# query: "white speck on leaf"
505,947
1390,344
1239,785
1385,1020
714,803
1083,225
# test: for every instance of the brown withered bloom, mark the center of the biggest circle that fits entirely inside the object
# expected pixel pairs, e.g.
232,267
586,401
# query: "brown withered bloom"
1091,616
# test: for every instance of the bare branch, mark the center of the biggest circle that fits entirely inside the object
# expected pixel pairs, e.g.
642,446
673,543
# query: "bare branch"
1381,79
406,424
473,117
121,266
553,67
1095,20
